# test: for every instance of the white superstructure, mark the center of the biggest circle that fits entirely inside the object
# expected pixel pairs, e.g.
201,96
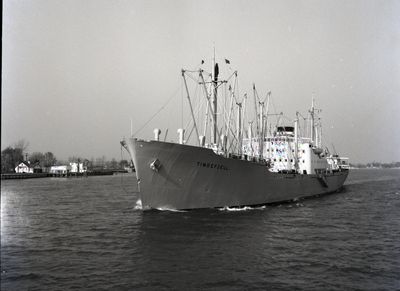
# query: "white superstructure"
279,151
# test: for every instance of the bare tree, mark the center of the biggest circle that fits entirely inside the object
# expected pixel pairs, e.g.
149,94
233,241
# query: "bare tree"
36,157
22,144
49,159
10,157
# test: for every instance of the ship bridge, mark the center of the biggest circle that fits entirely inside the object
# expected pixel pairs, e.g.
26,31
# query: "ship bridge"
285,131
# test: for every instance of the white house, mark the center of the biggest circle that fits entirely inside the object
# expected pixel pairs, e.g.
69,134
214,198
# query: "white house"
60,169
24,167
77,168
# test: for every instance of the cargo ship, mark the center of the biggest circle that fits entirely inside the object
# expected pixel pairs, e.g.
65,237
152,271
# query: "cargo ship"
234,154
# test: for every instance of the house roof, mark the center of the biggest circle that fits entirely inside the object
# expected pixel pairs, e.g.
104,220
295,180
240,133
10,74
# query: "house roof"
36,165
25,163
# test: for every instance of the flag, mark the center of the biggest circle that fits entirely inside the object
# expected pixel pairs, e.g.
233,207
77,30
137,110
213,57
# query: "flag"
227,61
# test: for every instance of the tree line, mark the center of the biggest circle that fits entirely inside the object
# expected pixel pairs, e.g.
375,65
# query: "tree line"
99,163
13,155
376,165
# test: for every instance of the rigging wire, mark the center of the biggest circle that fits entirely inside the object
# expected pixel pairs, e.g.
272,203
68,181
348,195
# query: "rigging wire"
155,114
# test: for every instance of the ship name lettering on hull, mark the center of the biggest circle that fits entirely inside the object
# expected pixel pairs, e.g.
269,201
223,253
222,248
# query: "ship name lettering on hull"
212,166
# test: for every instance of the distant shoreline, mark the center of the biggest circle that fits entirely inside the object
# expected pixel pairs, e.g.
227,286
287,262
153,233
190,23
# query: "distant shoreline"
15,176
372,168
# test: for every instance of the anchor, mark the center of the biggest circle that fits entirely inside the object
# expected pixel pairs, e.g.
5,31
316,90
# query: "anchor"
155,165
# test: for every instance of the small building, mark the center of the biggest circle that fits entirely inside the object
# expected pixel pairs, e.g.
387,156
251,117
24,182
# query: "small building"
24,167
37,168
60,170
77,168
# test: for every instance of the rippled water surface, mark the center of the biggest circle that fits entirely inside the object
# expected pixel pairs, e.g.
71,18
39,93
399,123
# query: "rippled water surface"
87,234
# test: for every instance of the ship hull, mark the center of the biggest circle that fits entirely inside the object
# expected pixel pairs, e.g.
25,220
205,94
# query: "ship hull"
176,176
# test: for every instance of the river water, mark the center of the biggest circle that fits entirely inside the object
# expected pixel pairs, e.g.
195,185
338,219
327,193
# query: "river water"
89,234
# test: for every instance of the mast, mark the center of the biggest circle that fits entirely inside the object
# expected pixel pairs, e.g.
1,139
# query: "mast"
320,133
208,102
239,127
191,108
261,128
296,142
242,130
206,119
255,108
209,108
228,121
214,103
250,136
266,114
312,122
261,119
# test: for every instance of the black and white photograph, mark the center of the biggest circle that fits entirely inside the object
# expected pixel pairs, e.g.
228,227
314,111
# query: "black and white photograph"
200,145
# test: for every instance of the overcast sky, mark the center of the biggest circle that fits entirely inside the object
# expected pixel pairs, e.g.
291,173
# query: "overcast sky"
74,73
